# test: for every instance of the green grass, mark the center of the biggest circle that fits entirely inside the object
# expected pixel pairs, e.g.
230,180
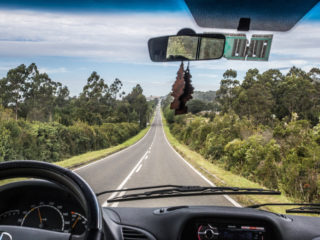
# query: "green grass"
221,177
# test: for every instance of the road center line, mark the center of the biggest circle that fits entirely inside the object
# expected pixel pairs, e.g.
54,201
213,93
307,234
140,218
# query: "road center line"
155,134
105,204
115,204
139,168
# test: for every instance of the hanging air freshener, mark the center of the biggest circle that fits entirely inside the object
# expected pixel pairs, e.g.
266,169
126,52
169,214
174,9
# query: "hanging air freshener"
182,90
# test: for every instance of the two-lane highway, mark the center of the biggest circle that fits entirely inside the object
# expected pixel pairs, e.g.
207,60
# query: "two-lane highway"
151,161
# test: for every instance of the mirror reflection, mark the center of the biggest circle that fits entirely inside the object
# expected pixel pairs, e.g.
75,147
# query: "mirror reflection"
211,48
182,47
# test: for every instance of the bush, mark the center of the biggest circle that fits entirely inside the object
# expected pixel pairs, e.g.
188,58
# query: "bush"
53,142
285,158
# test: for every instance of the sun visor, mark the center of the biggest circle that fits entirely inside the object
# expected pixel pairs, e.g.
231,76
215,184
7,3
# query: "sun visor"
244,15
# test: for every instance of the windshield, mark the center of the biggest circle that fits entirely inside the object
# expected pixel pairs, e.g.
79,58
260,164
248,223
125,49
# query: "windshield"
78,89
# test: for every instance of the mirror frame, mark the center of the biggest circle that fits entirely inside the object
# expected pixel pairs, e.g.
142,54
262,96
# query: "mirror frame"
164,45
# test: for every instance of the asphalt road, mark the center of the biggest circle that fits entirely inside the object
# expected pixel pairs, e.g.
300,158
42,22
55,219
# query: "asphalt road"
151,161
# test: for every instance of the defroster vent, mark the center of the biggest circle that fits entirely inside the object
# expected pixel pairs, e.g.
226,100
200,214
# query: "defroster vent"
133,234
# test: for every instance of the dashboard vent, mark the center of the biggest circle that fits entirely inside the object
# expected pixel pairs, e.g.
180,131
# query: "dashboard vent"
133,234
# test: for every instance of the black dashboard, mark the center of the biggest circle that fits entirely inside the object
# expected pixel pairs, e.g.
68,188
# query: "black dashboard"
40,204
184,222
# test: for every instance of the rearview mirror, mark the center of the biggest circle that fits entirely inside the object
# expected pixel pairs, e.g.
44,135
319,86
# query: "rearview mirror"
186,47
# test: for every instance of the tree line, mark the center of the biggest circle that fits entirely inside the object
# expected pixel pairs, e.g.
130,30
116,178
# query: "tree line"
271,95
266,128
40,120
34,96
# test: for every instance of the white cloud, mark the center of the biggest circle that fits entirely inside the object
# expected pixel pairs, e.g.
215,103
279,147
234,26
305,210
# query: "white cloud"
206,75
157,83
123,37
298,62
4,68
53,70
112,37
131,81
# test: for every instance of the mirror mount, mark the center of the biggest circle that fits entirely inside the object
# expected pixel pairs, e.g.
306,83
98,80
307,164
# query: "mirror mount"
186,32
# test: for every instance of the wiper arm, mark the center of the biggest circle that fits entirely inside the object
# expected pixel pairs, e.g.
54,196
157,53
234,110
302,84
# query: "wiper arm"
283,204
183,191
309,210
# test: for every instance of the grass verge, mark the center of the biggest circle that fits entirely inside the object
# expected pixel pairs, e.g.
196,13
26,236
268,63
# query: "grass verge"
221,177
88,157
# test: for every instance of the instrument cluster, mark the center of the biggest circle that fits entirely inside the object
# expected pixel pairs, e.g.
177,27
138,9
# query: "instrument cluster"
45,206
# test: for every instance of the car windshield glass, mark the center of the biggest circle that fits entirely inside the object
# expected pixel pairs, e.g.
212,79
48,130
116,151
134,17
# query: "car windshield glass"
78,89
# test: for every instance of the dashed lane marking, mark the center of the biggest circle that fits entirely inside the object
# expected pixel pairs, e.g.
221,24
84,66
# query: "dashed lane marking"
105,204
115,204
139,168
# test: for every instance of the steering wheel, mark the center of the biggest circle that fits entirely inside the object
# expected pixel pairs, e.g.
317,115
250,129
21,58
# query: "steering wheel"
69,180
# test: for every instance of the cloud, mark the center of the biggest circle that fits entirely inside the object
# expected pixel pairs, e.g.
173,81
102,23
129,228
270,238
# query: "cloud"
112,37
4,68
157,83
206,75
123,38
53,70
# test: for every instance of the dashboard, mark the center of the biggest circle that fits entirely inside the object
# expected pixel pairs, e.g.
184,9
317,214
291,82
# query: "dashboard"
211,222
40,204
45,205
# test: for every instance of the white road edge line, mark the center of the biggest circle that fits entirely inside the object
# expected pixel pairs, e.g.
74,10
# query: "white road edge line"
235,203
114,154
105,204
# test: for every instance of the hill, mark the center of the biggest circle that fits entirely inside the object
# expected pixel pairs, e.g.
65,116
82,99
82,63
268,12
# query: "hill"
207,96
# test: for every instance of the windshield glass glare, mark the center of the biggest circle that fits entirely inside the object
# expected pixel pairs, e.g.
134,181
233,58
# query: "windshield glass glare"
78,89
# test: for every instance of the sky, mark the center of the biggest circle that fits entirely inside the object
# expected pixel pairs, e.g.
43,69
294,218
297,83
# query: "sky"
69,45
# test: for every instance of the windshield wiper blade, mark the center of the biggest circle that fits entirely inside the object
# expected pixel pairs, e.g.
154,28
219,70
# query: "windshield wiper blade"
184,191
309,210
138,188
283,204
